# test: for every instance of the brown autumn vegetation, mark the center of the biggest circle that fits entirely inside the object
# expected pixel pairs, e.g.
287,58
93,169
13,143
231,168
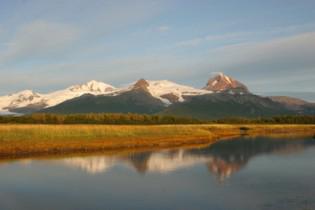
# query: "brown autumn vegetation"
27,140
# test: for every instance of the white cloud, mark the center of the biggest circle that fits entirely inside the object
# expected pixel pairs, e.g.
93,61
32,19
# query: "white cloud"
163,28
210,38
190,43
226,36
278,64
117,71
243,36
298,49
281,63
39,38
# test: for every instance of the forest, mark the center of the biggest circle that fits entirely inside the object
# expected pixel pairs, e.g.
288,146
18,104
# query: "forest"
144,119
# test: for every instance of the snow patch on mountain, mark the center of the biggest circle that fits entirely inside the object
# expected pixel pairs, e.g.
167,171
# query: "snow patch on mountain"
167,91
164,89
28,97
93,87
19,99
161,88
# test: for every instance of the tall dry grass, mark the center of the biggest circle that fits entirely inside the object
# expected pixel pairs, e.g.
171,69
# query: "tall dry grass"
20,140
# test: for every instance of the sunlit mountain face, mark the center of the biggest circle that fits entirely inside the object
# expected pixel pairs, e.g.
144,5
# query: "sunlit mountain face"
222,159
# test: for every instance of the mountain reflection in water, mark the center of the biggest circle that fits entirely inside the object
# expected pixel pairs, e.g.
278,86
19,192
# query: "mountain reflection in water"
236,174
222,159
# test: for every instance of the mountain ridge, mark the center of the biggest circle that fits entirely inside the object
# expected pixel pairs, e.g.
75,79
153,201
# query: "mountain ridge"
164,90
222,96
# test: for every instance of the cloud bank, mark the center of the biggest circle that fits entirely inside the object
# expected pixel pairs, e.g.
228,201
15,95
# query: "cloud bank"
39,38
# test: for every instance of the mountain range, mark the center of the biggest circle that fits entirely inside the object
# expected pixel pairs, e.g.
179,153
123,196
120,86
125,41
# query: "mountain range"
222,96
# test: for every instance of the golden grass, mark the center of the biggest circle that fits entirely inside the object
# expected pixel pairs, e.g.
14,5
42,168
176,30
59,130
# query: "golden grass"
26,140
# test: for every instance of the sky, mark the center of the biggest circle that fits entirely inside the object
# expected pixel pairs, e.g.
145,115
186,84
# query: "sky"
48,45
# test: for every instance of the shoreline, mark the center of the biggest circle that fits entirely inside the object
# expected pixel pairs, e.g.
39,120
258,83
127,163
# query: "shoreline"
27,141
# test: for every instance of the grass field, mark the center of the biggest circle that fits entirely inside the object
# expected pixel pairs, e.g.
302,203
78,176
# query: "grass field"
28,140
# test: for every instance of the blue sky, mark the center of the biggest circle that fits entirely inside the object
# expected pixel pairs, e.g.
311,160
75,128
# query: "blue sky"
48,45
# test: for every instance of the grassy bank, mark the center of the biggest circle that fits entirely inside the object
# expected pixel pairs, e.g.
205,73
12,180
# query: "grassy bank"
28,140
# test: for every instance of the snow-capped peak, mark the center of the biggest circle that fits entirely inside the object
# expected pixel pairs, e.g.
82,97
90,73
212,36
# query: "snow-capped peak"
25,93
221,82
19,99
28,97
93,86
226,78
140,84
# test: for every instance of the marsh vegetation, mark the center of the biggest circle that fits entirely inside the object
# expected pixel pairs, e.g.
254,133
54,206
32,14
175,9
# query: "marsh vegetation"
26,140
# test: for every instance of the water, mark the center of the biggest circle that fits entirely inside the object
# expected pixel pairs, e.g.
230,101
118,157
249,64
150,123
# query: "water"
238,174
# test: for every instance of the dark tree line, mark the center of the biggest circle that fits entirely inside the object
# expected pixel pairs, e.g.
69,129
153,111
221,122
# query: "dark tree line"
97,119
138,119
290,119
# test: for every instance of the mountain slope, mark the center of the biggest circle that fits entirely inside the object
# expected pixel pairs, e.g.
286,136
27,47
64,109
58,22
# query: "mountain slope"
219,105
133,101
144,96
295,104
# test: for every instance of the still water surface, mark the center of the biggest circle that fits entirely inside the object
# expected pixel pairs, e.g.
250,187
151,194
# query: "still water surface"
238,174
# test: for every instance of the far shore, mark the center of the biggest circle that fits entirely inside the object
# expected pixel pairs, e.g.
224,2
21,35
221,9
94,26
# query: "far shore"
19,141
